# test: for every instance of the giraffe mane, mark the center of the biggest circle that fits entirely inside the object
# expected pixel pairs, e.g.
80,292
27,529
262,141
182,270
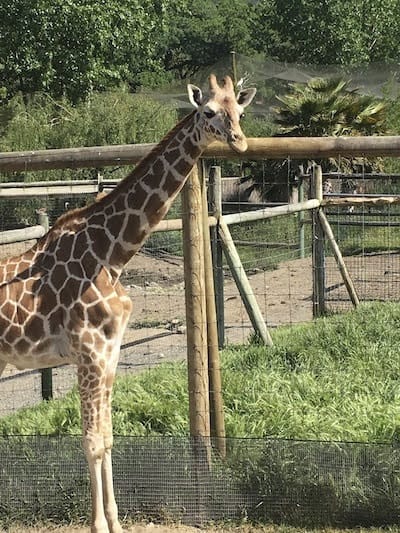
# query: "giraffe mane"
72,215
158,149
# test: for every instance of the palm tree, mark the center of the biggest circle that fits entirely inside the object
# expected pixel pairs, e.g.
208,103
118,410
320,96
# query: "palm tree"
328,107
322,107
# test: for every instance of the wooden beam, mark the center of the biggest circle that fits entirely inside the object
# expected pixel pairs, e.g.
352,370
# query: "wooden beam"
363,200
20,235
215,199
217,420
83,157
310,147
243,284
195,302
270,212
259,148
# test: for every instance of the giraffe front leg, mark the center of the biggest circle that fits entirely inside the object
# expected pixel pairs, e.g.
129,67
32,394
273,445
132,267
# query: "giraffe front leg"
91,383
110,506
94,451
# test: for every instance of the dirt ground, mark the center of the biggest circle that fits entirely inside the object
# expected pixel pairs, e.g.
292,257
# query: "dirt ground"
152,528
147,528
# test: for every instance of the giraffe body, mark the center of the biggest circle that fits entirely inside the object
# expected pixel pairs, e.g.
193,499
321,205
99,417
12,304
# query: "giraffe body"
62,301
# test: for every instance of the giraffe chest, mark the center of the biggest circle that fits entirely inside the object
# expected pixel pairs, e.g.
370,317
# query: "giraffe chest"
41,327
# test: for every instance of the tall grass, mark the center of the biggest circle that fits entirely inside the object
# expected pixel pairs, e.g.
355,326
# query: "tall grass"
334,379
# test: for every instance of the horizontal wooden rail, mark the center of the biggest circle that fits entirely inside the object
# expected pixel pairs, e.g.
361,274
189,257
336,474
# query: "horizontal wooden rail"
361,200
54,188
259,148
269,212
20,235
249,216
49,188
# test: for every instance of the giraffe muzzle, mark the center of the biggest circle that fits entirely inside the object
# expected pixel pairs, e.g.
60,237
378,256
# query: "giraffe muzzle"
238,143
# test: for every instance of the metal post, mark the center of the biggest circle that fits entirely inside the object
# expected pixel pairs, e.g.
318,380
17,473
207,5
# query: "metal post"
46,373
318,252
47,383
301,219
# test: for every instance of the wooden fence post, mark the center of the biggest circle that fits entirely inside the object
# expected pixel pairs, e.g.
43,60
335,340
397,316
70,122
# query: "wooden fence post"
43,219
243,284
339,259
195,299
217,422
318,255
215,199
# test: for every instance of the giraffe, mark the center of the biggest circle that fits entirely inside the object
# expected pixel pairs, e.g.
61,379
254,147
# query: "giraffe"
62,301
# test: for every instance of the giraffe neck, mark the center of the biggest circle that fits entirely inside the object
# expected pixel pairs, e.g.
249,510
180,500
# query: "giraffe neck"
120,222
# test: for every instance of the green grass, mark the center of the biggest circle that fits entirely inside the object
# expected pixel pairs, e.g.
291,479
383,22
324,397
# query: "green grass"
334,379
355,240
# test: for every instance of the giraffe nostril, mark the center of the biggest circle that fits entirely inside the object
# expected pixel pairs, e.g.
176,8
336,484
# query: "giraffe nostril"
234,137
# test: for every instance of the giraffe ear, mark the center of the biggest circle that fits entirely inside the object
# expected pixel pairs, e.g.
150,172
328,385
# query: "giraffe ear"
195,95
245,97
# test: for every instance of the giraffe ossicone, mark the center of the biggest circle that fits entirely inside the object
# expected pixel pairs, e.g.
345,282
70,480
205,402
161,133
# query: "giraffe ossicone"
62,301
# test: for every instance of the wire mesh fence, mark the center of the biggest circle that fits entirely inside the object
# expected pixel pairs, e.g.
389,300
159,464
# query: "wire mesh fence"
275,255
368,237
180,479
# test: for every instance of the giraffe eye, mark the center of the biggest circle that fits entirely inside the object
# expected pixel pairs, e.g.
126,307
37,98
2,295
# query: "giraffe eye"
242,115
209,113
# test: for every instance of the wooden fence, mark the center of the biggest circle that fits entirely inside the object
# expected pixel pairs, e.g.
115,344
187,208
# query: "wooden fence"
203,368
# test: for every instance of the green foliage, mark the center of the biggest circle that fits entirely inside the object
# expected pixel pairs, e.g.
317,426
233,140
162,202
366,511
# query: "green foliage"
371,239
334,379
282,232
71,48
112,117
324,107
39,122
328,32
202,32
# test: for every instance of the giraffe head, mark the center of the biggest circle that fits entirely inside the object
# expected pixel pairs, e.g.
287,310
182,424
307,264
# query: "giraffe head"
220,111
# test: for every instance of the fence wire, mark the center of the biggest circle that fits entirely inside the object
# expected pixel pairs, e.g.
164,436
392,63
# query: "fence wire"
368,237
167,478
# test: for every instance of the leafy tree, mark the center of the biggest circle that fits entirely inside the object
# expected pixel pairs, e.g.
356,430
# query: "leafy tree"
200,33
347,32
328,107
39,122
71,47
